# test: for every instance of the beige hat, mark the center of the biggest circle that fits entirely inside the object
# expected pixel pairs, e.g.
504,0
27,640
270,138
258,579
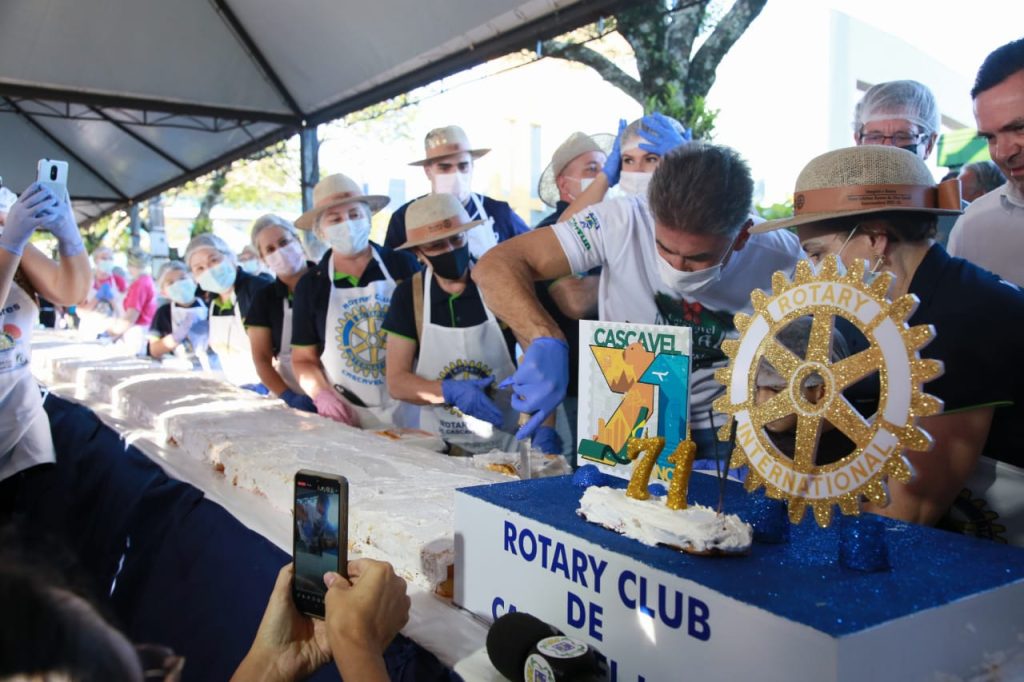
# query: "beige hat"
867,179
338,190
435,216
576,144
446,141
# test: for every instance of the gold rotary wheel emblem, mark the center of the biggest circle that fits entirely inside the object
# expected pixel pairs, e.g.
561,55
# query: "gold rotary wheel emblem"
879,440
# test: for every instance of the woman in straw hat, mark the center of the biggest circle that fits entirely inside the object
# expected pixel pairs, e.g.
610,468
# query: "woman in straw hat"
983,394
445,348
448,165
228,292
339,309
269,324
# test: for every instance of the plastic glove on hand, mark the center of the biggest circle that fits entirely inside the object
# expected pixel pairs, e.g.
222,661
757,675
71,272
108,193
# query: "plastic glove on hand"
185,324
298,401
539,385
65,228
329,404
547,440
105,292
613,164
31,211
470,397
661,136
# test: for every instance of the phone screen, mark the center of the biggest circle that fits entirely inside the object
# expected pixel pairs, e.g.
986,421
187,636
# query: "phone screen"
320,536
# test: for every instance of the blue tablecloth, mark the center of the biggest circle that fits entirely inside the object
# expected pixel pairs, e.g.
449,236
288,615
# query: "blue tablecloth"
180,570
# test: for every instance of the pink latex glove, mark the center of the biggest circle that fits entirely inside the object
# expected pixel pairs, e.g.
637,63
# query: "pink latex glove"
329,404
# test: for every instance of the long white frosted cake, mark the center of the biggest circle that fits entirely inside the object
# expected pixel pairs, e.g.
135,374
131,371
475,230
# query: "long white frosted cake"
401,497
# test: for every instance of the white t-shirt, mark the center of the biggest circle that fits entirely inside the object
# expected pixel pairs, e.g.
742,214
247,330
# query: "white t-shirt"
618,235
990,234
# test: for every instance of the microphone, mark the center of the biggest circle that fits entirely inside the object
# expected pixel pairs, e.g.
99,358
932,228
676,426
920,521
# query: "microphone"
524,648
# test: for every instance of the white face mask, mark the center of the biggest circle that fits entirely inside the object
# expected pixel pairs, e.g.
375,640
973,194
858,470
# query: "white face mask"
452,183
349,237
584,184
287,260
635,184
685,283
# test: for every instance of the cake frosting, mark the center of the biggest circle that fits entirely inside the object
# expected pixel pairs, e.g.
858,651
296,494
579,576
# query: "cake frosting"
696,529
401,497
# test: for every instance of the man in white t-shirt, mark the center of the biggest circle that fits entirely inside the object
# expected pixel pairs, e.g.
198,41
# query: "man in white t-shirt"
681,256
991,232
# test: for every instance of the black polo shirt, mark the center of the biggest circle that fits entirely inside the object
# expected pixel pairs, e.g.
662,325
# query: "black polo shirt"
465,309
246,286
313,292
552,218
267,310
979,334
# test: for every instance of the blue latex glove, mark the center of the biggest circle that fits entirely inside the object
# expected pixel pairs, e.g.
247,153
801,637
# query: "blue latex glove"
33,209
298,401
538,386
65,228
468,395
256,388
547,440
105,292
613,164
662,137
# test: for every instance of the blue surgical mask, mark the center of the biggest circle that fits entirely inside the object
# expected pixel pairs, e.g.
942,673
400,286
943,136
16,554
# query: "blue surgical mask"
105,266
218,279
183,291
252,266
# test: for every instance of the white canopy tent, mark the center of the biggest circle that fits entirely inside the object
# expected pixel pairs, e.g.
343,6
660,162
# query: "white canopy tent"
143,95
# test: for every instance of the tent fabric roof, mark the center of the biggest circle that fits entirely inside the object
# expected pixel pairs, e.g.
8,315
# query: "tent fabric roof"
142,95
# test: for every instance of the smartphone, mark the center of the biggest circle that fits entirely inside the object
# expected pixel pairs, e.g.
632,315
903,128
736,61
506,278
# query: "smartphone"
53,175
319,537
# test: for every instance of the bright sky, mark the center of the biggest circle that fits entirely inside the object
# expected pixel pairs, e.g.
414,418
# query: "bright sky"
786,93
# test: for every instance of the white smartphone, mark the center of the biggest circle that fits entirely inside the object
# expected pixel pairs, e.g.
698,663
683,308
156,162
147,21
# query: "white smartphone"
53,175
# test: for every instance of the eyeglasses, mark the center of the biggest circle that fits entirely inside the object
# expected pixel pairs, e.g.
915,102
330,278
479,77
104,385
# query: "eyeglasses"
898,139
441,245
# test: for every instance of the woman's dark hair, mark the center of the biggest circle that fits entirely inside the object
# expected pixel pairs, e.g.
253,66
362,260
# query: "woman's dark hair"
49,625
901,226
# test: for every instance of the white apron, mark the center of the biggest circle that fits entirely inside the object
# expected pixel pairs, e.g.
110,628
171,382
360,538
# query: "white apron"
283,361
25,439
465,353
992,504
231,343
353,355
481,238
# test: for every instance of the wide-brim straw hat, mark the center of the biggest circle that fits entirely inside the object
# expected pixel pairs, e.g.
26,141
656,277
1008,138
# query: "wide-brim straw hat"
863,180
338,190
433,217
441,142
576,144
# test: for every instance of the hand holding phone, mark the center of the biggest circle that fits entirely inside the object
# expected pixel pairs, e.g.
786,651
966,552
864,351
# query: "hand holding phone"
319,537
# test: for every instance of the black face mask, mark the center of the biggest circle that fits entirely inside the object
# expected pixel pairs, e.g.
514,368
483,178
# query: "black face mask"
451,264
912,148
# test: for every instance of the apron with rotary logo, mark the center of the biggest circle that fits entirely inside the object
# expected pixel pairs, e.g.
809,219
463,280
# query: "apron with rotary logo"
465,353
24,427
353,355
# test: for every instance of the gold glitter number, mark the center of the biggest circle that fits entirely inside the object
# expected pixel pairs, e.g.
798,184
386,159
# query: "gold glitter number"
637,488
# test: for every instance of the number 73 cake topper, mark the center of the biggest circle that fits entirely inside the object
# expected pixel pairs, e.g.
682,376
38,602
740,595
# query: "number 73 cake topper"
879,440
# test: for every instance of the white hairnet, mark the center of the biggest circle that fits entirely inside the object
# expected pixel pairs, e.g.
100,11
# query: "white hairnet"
169,267
7,199
908,100
268,220
208,240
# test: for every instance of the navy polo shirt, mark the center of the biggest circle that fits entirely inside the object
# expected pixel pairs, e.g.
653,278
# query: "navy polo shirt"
506,223
267,310
313,292
465,309
979,333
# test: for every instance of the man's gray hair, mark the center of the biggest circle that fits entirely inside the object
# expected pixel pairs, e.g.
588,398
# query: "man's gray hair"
702,189
988,173
907,99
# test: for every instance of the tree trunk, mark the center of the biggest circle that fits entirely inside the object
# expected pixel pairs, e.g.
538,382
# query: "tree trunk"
214,192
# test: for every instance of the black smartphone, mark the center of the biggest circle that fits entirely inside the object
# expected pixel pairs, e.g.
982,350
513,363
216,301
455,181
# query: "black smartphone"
319,537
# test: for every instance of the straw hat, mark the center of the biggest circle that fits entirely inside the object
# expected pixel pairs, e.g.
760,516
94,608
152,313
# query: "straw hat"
867,179
435,216
446,141
577,144
338,190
